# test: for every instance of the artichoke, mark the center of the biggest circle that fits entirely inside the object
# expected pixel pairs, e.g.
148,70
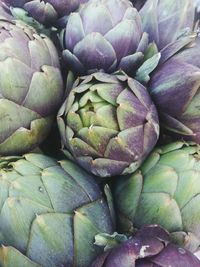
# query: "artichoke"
166,191
50,213
174,88
31,87
48,12
106,35
166,20
108,123
149,247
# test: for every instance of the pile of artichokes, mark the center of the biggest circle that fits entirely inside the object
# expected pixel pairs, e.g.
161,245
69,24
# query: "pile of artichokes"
99,133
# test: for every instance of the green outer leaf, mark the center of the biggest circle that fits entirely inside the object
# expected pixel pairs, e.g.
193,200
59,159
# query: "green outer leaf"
142,74
84,233
28,137
127,193
52,236
109,241
110,202
10,257
158,208
16,217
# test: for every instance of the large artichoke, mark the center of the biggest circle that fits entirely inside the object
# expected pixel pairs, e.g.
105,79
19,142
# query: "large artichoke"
47,12
166,190
175,90
107,35
149,247
108,123
50,213
31,87
166,20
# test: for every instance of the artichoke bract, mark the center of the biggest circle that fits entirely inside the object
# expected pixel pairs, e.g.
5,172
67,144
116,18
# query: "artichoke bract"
166,20
108,123
149,247
174,88
197,13
50,213
5,12
48,12
166,191
105,35
31,87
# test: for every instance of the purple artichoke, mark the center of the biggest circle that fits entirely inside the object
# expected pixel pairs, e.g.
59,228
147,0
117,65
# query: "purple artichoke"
108,123
149,247
47,12
166,20
175,89
106,35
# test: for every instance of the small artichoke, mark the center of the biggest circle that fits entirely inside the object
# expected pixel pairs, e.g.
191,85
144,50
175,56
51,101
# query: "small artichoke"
108,123
149,247
165,191
105,35
175,90
166,20
47,12
31,87
50,213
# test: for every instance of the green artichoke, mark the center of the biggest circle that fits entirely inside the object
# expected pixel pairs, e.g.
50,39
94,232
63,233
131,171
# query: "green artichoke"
50,213
108,123
165,191
31,87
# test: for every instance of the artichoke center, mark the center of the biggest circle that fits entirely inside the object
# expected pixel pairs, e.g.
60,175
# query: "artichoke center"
93,110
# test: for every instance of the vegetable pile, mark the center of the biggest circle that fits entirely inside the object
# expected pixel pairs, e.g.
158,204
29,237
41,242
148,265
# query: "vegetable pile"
99,133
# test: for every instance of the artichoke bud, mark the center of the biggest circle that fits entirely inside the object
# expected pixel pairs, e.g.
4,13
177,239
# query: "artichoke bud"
52,206
118,43
31,87
118,144
48,13
164,191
